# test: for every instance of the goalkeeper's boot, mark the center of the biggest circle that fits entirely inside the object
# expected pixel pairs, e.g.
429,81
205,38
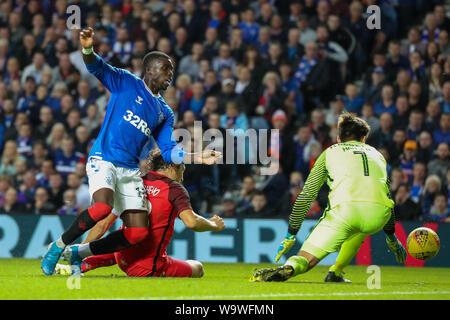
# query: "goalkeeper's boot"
332,277
73,258
51,258
278,274
63,269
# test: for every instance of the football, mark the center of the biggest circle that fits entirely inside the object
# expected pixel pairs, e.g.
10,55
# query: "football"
423,243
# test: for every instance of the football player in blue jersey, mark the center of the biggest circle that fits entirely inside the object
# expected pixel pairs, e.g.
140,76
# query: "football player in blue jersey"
135,111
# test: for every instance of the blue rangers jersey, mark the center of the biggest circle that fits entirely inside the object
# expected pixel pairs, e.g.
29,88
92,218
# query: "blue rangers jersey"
133,115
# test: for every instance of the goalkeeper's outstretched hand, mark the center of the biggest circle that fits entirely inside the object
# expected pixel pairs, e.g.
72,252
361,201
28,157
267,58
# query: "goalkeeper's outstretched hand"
285,245
397,248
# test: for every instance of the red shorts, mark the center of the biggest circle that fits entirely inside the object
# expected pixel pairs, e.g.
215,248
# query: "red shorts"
171,268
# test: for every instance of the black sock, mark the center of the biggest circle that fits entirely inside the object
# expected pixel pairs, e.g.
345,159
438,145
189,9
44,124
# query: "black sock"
113,242
82,223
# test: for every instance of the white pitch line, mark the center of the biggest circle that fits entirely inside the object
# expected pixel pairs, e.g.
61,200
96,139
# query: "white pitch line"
281,295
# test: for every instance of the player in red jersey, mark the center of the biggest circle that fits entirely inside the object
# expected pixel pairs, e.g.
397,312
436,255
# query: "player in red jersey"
169,200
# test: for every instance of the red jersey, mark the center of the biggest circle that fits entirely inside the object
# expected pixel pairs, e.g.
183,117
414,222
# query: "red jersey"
168,198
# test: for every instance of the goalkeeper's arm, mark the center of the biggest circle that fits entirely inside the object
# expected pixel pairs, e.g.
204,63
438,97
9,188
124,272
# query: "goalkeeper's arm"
301,206
310,190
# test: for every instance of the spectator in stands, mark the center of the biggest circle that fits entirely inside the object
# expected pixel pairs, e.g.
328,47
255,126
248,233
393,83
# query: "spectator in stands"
396,146
402,112
353,102
304,140
371,90
57,134
368,115
259,207
9,157
332,114
82,190
433,186
190,64
418,181
92,118
432,117
439,165
70,204
38,156
386,104
295,187
42,131
413,43
319,127
56,189
397,178
405,209
439,212
28,188
66,157
24,140
384,135
11,206
415,124
41,203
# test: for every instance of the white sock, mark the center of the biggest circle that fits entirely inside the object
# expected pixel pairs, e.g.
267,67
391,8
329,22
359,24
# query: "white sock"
60,243
84,250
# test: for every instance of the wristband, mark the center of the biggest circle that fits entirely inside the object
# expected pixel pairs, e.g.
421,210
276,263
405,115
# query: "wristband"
87,51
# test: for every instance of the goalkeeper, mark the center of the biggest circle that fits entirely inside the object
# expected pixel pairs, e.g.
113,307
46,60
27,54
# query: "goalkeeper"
359,204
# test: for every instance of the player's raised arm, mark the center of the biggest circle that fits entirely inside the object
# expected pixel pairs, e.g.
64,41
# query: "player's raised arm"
301,206
87,44
111,77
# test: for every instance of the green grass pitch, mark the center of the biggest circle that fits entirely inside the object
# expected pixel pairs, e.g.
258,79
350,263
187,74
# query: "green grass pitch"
23,279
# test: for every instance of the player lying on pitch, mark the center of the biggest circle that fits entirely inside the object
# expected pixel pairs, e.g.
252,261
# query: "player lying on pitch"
135,112
359,204
169,200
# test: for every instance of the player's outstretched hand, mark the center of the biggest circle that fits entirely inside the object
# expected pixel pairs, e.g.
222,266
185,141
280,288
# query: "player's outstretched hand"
87,38
285,245
397,248
220,225
209,157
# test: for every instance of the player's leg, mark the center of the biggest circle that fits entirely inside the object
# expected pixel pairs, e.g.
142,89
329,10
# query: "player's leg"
327,236
172,267
196,267
88,264
348,251
367,219
131,201
94,262
102,179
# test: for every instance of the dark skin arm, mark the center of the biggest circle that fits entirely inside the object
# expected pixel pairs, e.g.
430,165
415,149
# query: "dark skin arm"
87,41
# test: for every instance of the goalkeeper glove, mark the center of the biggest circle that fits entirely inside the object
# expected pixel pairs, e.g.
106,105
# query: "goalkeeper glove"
285,245
396,246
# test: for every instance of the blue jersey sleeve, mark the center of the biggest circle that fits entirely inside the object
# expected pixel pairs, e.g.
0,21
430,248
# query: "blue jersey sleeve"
164,139
114,79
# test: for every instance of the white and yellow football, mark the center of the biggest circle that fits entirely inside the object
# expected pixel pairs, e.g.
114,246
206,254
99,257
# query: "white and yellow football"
423,243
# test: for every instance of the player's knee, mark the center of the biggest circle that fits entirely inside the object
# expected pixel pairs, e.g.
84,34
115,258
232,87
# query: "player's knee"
197,269
99,211
135,235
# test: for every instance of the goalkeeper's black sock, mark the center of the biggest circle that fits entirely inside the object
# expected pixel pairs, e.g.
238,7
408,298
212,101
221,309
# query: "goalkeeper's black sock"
82,223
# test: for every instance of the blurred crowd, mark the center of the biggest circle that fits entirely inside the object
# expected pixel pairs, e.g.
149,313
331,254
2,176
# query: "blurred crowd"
291,65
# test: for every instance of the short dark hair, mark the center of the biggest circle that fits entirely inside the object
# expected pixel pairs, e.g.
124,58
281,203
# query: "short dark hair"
351,127
152,56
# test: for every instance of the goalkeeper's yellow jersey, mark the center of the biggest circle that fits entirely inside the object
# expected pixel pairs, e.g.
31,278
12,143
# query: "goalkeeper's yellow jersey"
354,171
